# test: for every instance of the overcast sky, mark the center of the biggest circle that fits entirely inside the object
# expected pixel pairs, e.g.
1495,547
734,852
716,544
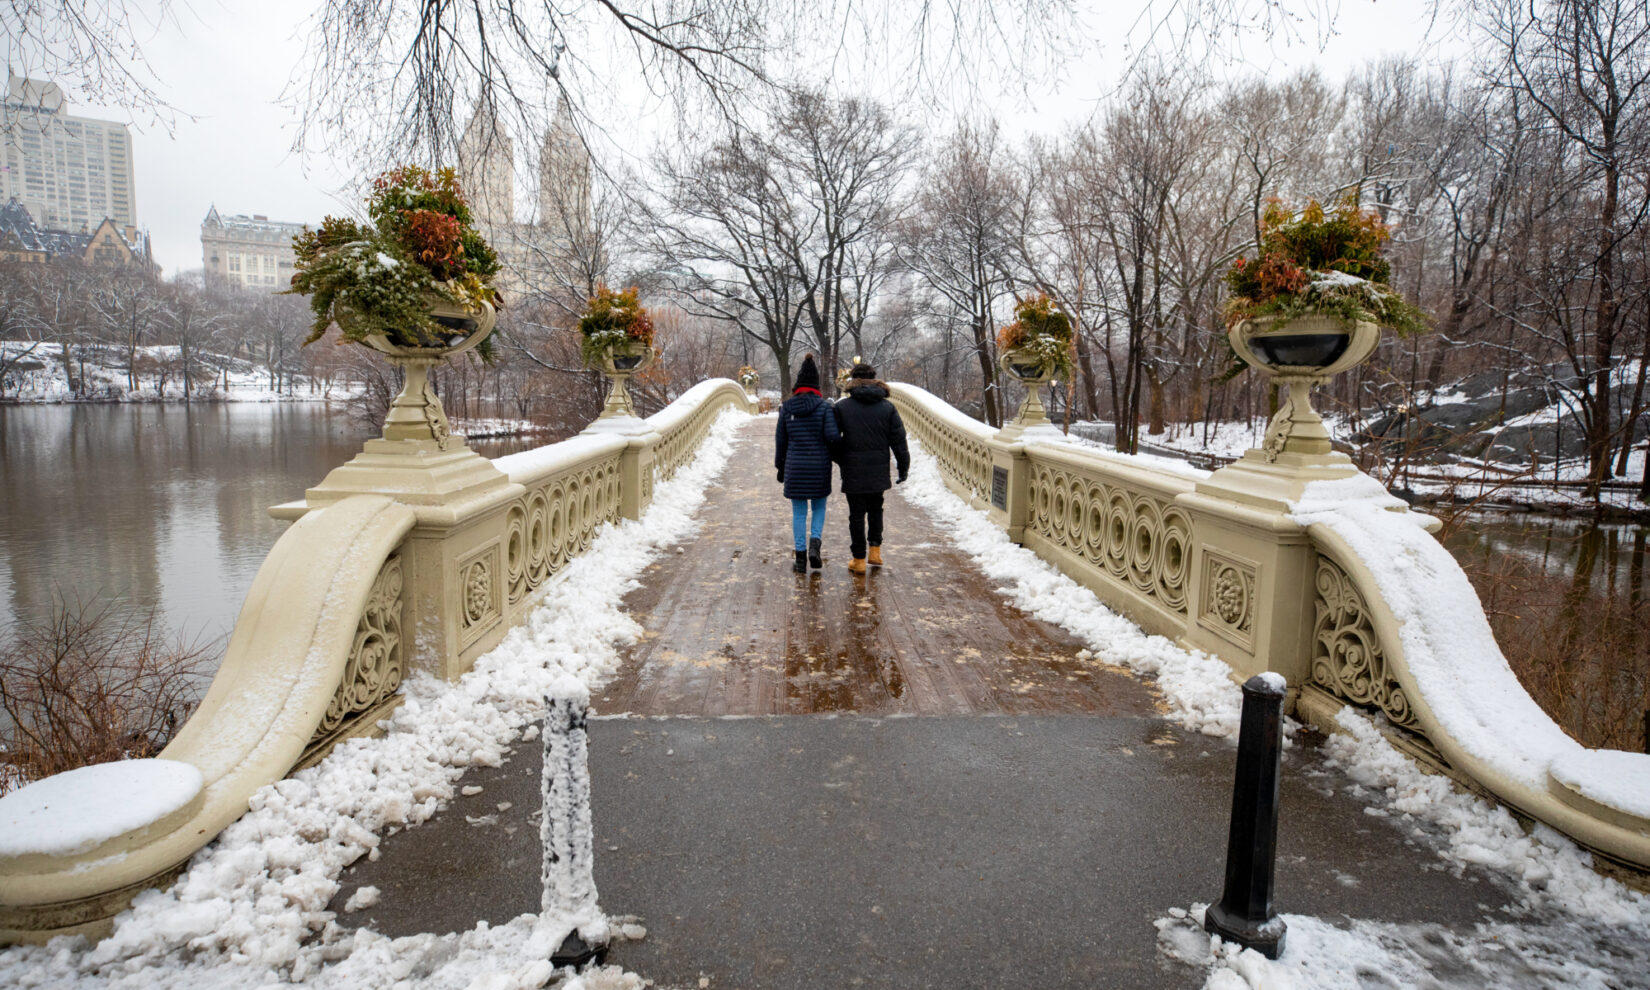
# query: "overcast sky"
226,62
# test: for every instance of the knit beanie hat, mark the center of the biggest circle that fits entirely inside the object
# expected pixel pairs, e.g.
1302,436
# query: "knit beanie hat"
863,371
808,375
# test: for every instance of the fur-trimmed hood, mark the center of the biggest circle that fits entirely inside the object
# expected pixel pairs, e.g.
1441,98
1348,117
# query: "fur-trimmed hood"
868,389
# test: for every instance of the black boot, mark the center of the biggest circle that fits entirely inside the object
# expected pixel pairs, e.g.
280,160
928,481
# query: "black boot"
801,565
813,553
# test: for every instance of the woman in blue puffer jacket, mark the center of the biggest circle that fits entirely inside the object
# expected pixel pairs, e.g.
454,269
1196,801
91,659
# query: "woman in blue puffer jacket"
802,453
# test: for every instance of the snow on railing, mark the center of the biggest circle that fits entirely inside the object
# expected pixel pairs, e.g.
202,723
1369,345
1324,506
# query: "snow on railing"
1398,628
960,443
349,599
682,425
1344,592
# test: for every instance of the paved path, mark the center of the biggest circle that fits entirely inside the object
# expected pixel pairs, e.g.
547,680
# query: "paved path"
732,631
826,844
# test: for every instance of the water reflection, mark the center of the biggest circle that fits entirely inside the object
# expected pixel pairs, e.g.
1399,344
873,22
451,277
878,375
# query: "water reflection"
1604,558
156,505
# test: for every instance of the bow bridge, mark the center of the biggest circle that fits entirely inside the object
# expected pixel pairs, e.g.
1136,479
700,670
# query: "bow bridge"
420,555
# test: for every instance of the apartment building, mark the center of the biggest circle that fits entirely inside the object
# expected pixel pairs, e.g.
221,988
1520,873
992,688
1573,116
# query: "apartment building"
70,173
249,252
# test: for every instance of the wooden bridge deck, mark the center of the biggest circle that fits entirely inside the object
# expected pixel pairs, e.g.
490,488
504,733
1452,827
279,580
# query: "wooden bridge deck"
732,631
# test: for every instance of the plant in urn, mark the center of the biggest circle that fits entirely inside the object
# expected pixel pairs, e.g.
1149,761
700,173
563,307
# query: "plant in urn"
414,283
1038,347
1309,306
617,341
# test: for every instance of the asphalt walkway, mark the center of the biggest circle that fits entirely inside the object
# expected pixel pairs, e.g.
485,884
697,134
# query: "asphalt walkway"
767,805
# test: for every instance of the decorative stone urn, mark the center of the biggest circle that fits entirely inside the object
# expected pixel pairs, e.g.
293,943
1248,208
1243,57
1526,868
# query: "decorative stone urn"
1032,371
1301,353
416,413
418,460
749,380
618,363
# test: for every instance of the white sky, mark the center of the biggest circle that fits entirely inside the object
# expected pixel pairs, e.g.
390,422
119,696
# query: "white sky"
226,63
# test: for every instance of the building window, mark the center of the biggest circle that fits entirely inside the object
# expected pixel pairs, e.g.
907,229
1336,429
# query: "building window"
235,263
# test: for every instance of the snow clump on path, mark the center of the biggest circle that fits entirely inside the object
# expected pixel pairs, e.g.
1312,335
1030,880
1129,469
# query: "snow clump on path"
251,908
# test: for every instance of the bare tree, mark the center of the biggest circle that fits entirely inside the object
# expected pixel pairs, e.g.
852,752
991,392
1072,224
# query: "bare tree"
961,239
92,48
1585,64
720,239
405,66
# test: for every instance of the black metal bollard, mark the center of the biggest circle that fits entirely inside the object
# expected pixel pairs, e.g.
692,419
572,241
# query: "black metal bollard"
569,861
1244,914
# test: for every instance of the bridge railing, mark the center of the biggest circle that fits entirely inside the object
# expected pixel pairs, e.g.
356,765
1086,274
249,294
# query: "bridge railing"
1265,585
364,587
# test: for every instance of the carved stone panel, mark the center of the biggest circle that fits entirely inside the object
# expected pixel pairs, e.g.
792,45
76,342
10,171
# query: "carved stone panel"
480,587
1228,605
1347,657
375,665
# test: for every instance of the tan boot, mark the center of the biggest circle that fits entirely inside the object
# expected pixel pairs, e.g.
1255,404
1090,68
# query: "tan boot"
875,560
857,565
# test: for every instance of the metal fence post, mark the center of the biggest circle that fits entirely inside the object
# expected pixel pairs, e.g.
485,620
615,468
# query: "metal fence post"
1244,914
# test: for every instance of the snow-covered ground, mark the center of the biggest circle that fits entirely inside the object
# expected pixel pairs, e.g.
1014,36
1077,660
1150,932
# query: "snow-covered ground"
1573,927
40,377
251,909
1462,479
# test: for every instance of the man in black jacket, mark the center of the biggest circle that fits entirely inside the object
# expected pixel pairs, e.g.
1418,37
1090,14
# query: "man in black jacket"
871,428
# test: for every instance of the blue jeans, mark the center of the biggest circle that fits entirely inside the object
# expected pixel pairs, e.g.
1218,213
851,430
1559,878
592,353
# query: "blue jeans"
799,520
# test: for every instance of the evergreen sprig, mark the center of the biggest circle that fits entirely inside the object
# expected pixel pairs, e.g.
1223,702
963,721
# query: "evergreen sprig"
378,278
612,319
1320,263
1041,329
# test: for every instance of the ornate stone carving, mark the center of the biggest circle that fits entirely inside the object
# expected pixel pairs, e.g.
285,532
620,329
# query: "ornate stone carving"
479,594
1229,596
374,669
547,527
965,461
1347,657
1136,538
436,417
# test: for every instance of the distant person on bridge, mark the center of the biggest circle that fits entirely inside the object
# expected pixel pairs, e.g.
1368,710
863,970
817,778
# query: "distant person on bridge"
871,429
802,453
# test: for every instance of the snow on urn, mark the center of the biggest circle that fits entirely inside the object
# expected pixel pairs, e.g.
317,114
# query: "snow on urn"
1310,305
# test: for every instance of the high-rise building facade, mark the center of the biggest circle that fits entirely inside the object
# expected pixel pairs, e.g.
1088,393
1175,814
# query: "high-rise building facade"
553,253
69,172
247,252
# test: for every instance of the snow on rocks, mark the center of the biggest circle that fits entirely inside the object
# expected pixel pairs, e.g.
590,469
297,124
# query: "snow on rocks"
251,908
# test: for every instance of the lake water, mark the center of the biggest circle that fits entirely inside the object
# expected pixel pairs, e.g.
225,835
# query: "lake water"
158,506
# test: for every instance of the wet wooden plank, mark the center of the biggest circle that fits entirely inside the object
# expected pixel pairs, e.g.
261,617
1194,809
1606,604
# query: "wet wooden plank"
732,631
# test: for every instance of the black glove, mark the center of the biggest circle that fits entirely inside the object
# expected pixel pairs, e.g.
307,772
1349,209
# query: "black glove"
781,476
901,479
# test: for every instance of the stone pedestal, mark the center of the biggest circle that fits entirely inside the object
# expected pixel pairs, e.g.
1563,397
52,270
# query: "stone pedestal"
453,560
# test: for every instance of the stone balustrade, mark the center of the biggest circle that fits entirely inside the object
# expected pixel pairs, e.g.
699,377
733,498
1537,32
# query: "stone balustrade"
417,555
1220,563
